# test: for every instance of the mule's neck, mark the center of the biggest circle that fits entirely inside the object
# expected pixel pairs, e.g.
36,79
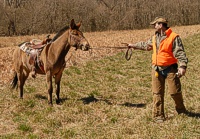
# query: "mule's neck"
61,45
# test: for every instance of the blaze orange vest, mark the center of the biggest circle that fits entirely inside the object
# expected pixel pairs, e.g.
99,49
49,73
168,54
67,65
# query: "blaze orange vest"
164,56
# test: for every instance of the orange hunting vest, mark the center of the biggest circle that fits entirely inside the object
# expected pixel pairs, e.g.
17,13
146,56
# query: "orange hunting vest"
164,56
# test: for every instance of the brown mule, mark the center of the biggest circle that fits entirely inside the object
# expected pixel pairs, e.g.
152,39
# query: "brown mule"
52,58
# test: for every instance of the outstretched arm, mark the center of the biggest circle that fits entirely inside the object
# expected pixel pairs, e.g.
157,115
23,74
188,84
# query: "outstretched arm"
147,46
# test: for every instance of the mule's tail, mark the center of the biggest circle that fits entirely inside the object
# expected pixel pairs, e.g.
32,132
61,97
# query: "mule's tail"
13,84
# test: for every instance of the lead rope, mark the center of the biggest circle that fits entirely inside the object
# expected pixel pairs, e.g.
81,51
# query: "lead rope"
128,54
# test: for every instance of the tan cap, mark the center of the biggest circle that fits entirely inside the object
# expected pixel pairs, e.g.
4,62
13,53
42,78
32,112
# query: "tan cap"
158,20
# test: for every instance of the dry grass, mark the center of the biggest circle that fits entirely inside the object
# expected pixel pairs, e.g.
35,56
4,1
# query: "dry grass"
96,39
103,96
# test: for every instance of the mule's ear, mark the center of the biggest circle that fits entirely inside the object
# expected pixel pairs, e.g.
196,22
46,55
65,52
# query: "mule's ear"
79,24
72,24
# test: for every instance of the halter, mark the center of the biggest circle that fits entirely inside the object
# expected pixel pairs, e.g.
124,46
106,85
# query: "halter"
75,39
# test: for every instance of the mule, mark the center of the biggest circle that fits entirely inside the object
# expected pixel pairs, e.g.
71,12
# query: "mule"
52,58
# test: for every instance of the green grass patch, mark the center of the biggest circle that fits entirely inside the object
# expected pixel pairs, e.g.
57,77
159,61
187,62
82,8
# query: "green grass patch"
106,98
24,127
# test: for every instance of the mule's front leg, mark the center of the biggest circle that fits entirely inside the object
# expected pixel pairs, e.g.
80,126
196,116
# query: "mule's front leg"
50,87
57,82
58,92
21,89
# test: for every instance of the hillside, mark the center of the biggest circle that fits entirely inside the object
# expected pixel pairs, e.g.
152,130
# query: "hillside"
28,17
96,39
103,95
115,105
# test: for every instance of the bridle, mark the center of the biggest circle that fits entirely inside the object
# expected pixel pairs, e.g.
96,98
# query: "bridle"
76,39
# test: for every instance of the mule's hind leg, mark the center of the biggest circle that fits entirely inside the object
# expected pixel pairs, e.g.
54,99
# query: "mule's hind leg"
57,82
22,78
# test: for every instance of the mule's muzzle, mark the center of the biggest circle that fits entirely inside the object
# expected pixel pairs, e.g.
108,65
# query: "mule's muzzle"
85,47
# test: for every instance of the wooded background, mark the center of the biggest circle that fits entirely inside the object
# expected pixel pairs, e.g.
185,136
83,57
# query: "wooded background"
27,17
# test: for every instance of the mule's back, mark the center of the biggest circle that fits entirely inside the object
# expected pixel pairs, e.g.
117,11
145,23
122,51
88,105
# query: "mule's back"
19,59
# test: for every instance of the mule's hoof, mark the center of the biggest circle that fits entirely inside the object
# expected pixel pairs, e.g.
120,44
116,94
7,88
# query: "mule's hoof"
58,102
50,104
33,76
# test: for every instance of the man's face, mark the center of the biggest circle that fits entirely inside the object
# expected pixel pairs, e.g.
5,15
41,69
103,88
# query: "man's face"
158,27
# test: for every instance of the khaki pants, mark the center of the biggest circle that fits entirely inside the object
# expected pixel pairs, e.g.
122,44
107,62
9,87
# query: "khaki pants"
158,89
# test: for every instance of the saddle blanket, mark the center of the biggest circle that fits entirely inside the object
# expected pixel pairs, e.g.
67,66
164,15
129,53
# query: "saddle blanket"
26,47
29,47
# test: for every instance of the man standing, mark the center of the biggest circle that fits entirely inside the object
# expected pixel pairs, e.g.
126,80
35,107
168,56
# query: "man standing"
168,51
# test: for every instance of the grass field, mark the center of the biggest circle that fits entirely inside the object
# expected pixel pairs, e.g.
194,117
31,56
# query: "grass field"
106,97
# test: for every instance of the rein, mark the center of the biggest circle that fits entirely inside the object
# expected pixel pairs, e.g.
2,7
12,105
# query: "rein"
128,54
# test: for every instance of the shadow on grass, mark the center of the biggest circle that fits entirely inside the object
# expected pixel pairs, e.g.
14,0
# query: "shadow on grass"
61,100
127,104
89,99
192,114
39,96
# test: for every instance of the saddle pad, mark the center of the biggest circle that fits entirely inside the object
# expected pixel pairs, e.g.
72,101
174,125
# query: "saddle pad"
25,47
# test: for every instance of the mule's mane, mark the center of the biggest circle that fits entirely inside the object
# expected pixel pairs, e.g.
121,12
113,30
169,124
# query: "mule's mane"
60,32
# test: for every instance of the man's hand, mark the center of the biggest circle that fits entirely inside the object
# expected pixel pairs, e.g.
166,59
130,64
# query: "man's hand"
149,47
181,72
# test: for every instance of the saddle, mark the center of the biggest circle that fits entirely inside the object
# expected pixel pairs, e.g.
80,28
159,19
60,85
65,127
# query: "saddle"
33,49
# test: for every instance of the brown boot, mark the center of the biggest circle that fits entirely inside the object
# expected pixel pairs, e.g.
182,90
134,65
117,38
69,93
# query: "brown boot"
158,108
178,99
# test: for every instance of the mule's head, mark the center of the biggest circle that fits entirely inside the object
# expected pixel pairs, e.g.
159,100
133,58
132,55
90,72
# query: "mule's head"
76,37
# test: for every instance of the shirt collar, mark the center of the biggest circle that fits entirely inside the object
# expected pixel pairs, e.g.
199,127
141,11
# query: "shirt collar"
166,33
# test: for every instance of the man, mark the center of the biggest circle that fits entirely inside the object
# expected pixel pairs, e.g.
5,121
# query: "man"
168,51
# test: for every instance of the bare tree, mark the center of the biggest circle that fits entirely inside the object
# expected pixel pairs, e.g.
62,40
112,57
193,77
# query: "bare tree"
47,16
